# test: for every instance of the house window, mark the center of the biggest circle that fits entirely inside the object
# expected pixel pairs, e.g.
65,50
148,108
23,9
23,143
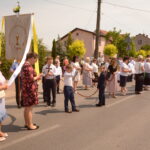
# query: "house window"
139,42
77,34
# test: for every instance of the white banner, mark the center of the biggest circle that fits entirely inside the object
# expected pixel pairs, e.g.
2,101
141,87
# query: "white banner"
16,34
17,71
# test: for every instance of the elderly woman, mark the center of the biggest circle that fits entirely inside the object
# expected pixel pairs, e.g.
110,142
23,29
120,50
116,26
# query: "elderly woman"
87,73
3,115
112,83
29,93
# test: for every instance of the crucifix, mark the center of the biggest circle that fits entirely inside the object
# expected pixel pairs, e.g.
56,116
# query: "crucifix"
17,40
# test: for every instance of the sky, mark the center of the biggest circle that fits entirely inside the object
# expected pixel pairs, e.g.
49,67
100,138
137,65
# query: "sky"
58,17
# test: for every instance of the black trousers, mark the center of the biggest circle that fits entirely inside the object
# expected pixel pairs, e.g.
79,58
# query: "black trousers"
101,96
43,86
50,87
69,95
139,81
18,90
58,82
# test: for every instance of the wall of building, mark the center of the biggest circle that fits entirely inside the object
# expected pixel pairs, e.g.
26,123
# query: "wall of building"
141,40
89,41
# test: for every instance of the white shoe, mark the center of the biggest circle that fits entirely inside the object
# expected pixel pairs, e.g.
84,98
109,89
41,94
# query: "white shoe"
2,139
5,135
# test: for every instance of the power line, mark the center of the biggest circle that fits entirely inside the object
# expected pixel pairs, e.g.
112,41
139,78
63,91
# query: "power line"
71,6
131,8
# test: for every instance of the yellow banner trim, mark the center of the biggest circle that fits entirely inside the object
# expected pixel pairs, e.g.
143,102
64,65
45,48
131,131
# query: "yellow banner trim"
35,45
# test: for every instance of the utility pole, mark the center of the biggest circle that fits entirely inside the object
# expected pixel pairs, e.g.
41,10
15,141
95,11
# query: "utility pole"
98,29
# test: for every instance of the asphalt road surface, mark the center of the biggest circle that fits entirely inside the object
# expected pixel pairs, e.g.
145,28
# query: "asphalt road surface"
123,124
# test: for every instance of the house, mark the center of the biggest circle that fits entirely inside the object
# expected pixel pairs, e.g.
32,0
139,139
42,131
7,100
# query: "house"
88,38
141,40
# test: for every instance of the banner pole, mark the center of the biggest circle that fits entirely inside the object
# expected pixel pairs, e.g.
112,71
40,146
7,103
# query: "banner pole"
1,35
35,43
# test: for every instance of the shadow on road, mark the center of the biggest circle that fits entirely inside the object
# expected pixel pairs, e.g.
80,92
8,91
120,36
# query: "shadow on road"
11,127
53,111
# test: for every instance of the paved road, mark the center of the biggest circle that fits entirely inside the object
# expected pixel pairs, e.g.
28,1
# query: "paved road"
123,124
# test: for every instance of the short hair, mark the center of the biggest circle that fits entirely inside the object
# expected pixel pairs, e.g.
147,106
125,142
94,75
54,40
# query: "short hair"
125,58
31,55
69,67
49,58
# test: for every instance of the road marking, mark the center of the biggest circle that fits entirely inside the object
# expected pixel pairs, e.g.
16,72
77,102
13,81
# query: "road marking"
120,101
37,133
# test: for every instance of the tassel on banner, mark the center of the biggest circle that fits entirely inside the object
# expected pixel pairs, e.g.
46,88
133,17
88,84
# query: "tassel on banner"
35,43
1,31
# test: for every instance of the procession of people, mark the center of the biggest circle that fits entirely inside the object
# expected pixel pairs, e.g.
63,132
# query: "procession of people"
106,76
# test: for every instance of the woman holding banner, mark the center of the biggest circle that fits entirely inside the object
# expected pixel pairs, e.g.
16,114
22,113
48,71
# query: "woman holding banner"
29,93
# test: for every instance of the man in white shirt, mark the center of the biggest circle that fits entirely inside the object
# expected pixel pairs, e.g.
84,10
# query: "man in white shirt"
58,74
49,72
124,70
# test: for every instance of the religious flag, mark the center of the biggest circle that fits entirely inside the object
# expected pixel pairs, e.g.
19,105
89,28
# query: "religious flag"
16,33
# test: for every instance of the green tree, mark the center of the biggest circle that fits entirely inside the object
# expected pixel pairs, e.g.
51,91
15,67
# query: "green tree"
148,52
69,41
141,52
123,42
42,52
110,50
54,49
146,47
60,49
77,48
6,64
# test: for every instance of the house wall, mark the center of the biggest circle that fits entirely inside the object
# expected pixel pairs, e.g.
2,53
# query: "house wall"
141,40
89,41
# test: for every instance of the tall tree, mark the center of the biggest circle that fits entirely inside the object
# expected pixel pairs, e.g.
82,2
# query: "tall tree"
42,52
123,42
69,41
54,49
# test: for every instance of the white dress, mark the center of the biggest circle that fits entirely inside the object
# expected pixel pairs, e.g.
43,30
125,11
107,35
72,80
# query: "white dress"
3,114
87,75
76,72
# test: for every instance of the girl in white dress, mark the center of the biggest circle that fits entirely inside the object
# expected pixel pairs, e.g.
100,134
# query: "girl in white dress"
77,70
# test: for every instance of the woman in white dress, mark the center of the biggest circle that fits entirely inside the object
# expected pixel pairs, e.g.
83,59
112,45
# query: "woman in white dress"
87,73
3,115
76,69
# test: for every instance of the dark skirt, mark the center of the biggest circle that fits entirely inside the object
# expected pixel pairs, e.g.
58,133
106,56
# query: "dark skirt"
147,79
123,81
139,80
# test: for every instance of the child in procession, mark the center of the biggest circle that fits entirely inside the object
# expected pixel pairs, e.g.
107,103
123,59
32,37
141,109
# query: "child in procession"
101,86
68,89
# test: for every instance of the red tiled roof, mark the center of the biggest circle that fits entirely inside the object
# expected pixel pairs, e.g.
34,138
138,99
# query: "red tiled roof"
103,32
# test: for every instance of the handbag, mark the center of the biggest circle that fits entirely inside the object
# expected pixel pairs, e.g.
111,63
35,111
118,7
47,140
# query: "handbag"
2,94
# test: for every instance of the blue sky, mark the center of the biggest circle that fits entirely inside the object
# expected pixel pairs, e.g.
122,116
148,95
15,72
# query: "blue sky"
55,17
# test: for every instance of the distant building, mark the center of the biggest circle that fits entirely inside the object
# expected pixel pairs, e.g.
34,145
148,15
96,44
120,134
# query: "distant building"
141,40
89,39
